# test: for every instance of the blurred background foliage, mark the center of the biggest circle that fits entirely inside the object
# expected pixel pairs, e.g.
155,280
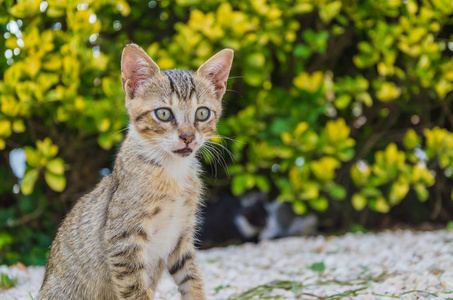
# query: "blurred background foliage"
343,108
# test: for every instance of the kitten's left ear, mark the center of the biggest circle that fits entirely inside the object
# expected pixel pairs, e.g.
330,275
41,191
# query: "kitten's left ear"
217,69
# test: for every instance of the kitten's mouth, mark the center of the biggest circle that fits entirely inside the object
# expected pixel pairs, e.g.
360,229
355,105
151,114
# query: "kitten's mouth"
186,151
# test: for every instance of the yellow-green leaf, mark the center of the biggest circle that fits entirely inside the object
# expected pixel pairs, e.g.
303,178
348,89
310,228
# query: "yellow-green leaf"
56,166
342,101
388,91
105,140
381,205
324,169
421,191
358,201
24,9
262,183
360,173
32,156
319,204
299,207
55,181
47,148
310,190
18,126
328,11
309,82
411,139
28,182
398,191
5,128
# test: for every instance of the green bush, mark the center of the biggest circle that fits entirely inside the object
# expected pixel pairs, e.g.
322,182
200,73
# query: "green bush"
331,101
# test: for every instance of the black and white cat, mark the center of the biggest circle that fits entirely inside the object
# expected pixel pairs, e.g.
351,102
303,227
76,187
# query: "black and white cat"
250,218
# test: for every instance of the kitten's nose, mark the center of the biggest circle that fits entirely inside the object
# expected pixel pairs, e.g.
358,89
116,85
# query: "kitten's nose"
187,137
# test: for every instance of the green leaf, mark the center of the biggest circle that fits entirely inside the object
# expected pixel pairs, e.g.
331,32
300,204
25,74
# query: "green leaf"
342,101
5,239
219,287
310,190
256,60
110,86
357,228
24,9
234,169
328,11
299,207
18,126
317,267
449,226
28,182
421,191
337,192
56,166
238,185
358,201
388,91
381,205
371,192
105,140
7,282
47,148
398,191
360,173
411,139
55,181
32,156
302,51
262,183
324,168
5,128
319,204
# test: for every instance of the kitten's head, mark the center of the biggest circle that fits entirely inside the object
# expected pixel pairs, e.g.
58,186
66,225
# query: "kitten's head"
173,111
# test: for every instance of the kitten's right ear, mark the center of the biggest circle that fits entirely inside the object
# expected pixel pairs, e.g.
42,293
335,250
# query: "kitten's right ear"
136,68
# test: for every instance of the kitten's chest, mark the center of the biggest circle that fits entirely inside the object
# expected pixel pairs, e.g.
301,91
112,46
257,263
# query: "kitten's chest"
173,211
176,217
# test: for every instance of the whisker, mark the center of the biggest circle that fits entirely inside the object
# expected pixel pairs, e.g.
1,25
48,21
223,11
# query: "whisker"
225,149
212,164
218,157
228,90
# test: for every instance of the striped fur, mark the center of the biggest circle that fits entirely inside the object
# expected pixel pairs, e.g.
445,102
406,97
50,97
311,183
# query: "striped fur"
140,221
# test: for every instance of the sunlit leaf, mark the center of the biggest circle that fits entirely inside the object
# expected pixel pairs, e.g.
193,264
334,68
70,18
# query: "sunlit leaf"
319,204
299,207
56,182
56,166
358,201
28,182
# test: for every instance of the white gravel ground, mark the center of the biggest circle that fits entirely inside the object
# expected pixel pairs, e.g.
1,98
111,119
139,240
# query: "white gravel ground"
402,264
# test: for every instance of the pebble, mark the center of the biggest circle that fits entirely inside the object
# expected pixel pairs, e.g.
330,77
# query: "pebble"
402,263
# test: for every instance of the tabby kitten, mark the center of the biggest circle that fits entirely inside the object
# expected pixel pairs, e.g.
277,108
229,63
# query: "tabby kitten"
140,220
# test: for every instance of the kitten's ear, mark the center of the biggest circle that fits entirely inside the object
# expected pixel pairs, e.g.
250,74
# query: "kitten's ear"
136,67
217,69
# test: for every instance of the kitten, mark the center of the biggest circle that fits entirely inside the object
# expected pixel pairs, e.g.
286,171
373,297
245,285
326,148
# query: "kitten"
140,220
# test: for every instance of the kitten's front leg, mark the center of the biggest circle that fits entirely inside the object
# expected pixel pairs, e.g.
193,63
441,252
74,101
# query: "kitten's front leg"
182,267
125,257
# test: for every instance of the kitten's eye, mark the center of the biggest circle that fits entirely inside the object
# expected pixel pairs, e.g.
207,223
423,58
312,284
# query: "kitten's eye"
164,114
202,114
